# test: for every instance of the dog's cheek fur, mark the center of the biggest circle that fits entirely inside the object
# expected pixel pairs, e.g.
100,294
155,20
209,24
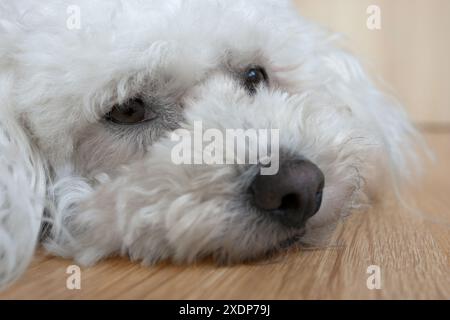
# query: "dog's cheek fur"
152,211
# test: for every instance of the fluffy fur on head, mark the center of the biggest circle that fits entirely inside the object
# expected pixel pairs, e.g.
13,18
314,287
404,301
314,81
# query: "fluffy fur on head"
112,189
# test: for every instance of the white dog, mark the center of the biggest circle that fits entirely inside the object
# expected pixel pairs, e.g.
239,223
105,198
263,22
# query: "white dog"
90,96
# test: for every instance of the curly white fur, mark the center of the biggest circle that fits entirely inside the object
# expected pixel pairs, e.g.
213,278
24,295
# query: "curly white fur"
111,190
22,196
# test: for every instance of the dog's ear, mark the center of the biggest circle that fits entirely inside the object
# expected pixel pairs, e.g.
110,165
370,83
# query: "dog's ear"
22,196
398,141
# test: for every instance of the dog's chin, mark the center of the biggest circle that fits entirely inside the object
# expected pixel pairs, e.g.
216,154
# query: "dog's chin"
280,248
292,241
286,239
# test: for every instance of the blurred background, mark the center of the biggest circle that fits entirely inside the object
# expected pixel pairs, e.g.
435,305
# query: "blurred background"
411,51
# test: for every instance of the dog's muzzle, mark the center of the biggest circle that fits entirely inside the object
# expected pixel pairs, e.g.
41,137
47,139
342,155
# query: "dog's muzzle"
293,195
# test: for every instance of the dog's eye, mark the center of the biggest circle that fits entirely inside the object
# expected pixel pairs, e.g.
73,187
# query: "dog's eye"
129,113
254,77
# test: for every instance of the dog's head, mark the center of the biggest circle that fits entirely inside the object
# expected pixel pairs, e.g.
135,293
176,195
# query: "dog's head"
109,92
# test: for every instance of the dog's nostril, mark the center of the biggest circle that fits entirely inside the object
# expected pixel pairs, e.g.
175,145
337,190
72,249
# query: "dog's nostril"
293,195
290,202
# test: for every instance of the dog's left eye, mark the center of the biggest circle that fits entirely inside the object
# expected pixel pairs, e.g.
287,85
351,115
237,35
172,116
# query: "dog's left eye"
254,77
129,113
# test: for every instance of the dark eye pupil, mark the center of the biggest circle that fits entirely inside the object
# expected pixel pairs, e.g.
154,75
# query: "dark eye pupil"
253,78
132,112
129,112
253,74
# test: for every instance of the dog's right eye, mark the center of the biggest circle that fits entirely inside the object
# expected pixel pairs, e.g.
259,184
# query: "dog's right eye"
132,112
253,77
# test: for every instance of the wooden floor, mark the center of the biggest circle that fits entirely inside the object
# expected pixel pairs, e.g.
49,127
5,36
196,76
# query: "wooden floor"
412,252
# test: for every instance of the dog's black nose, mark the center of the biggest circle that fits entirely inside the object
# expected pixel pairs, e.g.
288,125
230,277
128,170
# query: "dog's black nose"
293,195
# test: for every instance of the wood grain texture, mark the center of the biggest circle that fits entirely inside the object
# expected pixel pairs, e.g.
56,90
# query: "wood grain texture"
412,251
411,51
